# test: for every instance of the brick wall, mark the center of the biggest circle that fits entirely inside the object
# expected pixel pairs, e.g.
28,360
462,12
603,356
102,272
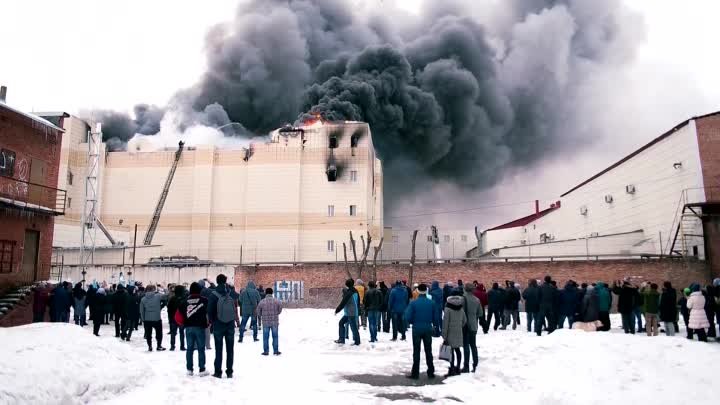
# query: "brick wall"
323,281
28,140
708,131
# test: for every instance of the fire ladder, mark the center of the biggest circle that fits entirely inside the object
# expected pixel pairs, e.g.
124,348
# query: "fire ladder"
687,229
163,196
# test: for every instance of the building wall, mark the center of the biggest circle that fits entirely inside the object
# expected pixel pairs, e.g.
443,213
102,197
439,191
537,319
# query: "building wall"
454,243
31,142
651,209
323,283
708,134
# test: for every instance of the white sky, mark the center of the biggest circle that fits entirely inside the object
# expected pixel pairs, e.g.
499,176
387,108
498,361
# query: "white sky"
78,54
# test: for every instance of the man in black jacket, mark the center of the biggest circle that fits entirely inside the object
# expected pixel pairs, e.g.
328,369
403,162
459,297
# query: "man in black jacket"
384,314
118,301
531,295
547,303
373,303
511,307
496,304
173,305
626,302
130,312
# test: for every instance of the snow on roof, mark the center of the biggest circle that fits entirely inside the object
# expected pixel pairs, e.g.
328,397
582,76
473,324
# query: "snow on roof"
32,117
525,220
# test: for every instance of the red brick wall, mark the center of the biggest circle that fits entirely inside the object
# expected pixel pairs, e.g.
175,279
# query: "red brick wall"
708,130
29,140
323,281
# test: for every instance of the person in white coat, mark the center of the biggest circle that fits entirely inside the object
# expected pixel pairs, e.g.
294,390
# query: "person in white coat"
698,318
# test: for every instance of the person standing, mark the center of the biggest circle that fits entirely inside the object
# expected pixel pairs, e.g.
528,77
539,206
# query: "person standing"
481,294
131,313
206,292
97,309
349,304
373,303
385,322
397,304
360,288
684,311
698,318
604,304
269,311
651,305
174,304
192,316
531,295
422,315
41,298
496,305
568,304
511,307
547,303
151,306
79,304
223,315
590,307
454,319
475,315
668,308
249,300
436,294
60,303
626,304
119,299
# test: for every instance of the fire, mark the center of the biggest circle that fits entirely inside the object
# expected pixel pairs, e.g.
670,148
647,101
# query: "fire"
316,119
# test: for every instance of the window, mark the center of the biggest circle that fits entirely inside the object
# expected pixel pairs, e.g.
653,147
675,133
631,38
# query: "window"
331,210
353,176
70,178
429,238
7,252
446,238
353,210
463,238
331,245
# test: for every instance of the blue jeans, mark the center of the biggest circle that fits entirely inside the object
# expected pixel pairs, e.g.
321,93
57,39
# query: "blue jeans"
398,325
373,317
224,332
353,322
628,322
638,315
266,338
437,328
561,320
253,325
195,337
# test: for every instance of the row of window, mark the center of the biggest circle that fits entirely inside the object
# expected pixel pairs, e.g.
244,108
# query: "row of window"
331,210
446,238
395,239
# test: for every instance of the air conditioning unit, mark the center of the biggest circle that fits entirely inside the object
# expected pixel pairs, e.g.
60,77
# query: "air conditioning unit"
594,235
630,189
609,199
583,210
546,237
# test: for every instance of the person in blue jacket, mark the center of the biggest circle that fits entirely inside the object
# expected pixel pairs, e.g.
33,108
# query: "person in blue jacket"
436,294
350,304
423,316
397,303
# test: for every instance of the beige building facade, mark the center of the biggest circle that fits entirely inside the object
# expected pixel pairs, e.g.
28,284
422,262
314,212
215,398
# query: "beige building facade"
294,198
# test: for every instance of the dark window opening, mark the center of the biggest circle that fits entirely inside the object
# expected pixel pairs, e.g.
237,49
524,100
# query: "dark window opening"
7,255
331,173
333,142
696,253
354,140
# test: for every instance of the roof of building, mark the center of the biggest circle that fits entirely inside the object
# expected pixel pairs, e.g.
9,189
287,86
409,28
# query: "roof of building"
51,114
32,117
525,220
638,151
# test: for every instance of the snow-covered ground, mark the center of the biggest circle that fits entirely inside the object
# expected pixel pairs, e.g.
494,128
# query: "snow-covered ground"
49,364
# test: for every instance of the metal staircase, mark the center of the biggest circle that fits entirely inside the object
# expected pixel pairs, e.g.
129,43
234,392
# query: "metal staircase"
163,196
687,235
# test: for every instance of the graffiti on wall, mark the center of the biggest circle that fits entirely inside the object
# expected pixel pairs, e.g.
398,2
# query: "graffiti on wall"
7,162
289,291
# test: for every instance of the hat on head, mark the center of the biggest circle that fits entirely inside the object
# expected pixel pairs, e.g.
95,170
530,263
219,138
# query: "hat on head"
469,287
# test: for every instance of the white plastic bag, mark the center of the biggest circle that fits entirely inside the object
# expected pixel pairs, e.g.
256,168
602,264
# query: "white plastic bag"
445,353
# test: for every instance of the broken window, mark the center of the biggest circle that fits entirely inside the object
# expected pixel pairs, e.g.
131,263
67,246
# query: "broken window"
331,172
331,246
333,142
353,176
353,210
331,210
354,141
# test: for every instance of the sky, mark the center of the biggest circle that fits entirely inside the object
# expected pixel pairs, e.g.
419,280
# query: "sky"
86,54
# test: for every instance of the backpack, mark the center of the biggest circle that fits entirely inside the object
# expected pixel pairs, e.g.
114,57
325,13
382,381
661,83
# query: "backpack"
225,308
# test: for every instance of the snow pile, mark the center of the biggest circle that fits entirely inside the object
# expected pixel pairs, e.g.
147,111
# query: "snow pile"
55,363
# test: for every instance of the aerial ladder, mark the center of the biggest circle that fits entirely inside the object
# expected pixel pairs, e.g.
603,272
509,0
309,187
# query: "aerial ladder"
436,244
163,196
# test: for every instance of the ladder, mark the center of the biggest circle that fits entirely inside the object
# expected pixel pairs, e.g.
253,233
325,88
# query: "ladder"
163,196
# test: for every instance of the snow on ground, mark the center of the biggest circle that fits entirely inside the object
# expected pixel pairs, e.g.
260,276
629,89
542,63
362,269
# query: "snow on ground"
46,363
567,367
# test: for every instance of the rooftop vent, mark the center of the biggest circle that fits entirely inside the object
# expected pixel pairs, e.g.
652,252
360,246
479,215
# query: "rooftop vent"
609,199
630,189
583,210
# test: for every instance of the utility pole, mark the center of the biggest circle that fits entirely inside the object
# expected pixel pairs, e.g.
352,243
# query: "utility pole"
89,220
134,251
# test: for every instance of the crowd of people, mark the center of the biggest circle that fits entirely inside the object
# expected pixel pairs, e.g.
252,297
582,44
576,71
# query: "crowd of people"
458,311
194,314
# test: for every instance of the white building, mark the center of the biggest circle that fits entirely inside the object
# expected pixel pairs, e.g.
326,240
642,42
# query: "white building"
659,200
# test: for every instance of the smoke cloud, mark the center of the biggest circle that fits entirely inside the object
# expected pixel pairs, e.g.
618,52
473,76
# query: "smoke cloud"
456,95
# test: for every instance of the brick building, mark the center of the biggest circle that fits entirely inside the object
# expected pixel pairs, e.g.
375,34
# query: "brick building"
29,200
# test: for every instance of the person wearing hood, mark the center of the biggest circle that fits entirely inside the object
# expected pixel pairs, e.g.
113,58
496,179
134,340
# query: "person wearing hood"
590,307
174,304
60,303
568,304
454,320
130,312
360,288
349,304
193,317
79,304
150,309
531,295
397,303
668,308
475,316
698,318
422,315
496,305
372,304
436,294
447,291
223,316
384,314
117,307
604,304
97,309
684,311
249,300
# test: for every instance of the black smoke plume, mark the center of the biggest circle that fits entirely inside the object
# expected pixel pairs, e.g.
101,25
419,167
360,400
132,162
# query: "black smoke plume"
456,94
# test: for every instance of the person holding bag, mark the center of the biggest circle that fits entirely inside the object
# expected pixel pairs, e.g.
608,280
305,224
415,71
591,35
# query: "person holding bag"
452,331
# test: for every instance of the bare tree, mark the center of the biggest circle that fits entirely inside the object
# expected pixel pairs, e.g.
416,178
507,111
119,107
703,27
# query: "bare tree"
347,270
412,258
352,245
366,250
377,248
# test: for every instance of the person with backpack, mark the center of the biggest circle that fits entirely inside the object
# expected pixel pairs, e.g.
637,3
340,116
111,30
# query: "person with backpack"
192,315
269,311
173,305
223,315
249,300
150,308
